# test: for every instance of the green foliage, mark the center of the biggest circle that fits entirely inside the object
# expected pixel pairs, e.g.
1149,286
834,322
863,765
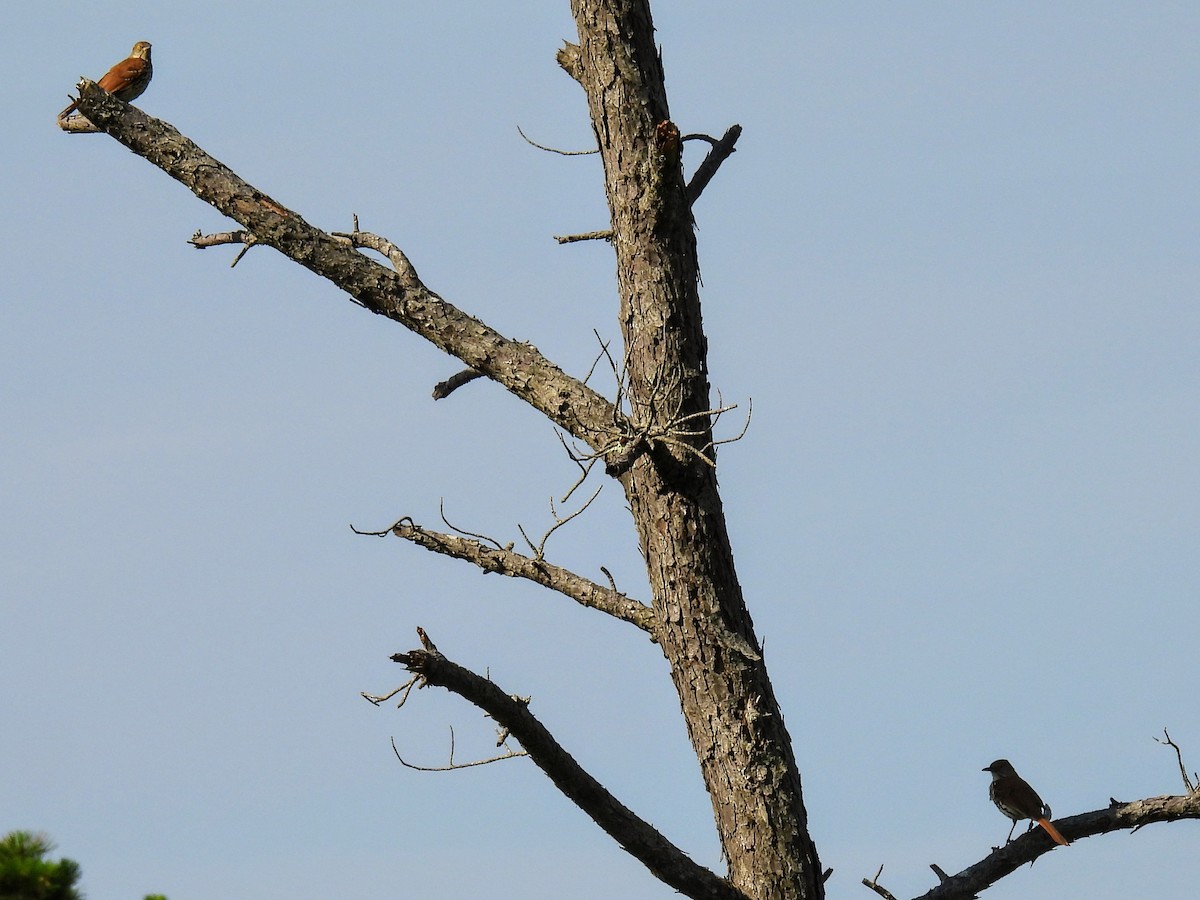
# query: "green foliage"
26,875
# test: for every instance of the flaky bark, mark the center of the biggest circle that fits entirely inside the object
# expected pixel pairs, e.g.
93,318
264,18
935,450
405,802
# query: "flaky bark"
705,630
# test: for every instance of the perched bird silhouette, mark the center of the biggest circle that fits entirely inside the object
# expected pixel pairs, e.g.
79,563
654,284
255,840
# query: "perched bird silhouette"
127,79
1016,799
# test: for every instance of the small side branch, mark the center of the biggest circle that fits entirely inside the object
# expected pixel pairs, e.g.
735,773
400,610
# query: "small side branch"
381,245
1191,785
505,561
203,241
445,388
539,551
721,151
453,766
534,143
636,836
873,884
604,235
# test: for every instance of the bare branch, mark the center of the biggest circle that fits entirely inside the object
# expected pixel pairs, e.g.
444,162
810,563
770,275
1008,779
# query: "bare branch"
612,583
604,235
599,356
533,143
452,765
470,534
444,389
1116,816
656,425
203,241
640,839
873,884
383,698
721,151
585,469
540,550
517,366
504,561
937,870
1192,786
400,262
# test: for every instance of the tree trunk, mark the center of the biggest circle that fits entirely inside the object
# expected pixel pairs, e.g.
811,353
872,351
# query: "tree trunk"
705,630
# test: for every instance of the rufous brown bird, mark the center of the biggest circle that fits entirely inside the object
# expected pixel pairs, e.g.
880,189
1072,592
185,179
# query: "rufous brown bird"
1016,799
127,79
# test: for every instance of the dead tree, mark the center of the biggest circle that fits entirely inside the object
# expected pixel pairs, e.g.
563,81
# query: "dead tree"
654,438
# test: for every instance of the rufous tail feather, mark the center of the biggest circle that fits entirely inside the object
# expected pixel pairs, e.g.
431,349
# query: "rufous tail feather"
1053,832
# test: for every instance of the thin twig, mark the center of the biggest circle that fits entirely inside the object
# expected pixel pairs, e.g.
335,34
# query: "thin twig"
398,523
584,470
1192,786
383,698
452,765
599,356
555,149
873,884
480,537
539,551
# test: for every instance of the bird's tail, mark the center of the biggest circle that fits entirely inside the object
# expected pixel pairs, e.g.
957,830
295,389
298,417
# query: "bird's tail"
1053,832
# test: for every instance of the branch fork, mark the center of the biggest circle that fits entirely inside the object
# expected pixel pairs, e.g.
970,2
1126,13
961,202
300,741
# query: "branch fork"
640,839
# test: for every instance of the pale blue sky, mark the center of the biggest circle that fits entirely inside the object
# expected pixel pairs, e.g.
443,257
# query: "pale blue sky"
954,264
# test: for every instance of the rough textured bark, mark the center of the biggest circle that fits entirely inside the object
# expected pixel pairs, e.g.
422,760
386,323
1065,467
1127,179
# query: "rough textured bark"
705,630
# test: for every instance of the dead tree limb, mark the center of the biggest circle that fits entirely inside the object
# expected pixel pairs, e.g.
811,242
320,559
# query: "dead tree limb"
517,366
1190,784
444,389
721,150
636,836
517,565
1117,816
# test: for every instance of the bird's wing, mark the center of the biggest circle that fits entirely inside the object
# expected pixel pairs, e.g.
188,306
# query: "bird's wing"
124,72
